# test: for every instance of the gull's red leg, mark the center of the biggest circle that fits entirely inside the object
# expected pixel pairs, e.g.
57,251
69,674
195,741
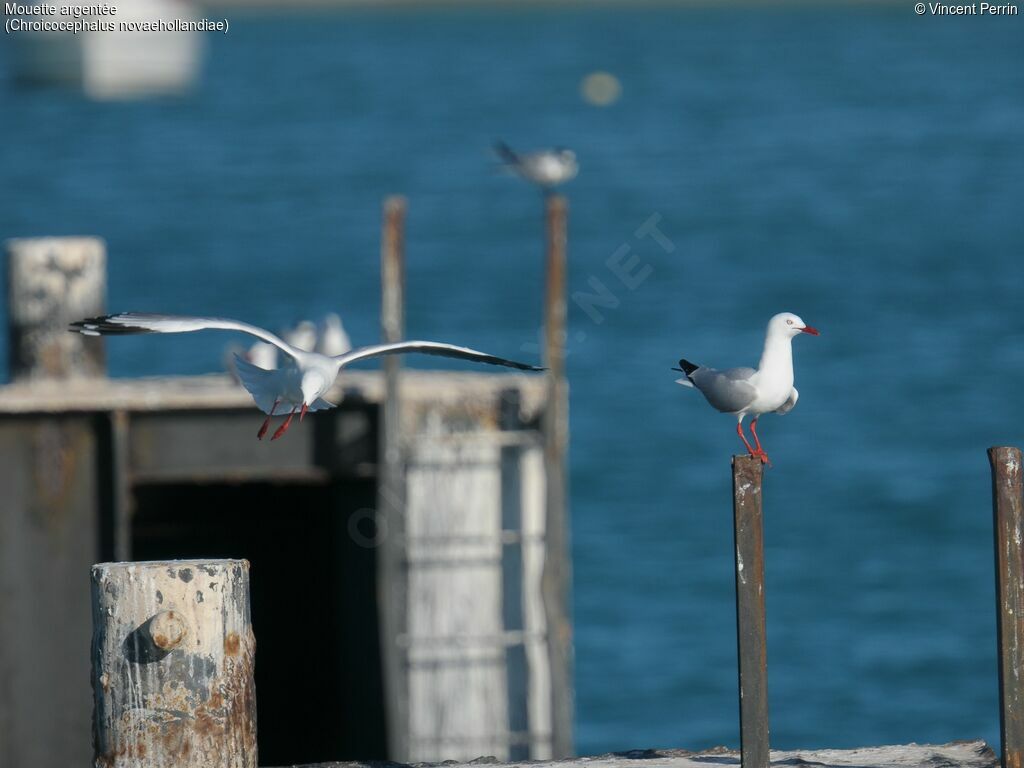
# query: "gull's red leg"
739,431
760,451
266,423
284,427
302,415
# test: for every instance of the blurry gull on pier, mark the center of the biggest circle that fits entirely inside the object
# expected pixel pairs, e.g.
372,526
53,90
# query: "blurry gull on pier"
327,338
302,336
331,336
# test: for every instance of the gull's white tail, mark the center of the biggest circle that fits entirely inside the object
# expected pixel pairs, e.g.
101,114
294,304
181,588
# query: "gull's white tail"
265,386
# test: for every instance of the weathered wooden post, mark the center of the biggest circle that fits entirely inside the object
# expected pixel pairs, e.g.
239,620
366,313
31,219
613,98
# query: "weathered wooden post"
557,575
748,528
392,585
172,665
1008,511
52,281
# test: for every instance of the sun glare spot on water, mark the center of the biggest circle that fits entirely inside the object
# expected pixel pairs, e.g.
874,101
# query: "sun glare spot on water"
600,89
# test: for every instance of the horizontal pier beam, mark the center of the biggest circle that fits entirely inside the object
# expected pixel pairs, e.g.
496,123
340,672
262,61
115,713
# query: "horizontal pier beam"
958,754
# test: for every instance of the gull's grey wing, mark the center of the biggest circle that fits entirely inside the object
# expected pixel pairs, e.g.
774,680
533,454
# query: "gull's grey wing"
140,322
727,391
431,348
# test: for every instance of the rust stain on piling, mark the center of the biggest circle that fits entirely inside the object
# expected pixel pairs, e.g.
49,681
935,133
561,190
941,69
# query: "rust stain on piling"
232,644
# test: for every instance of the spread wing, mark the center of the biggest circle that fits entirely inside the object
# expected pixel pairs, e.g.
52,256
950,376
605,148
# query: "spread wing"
728,391
431,348
138,322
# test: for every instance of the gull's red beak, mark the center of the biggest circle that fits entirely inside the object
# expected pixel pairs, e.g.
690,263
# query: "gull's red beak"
808,329
306,408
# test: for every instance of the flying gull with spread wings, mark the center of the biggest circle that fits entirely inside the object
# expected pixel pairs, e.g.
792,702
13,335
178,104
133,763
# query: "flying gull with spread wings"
297,386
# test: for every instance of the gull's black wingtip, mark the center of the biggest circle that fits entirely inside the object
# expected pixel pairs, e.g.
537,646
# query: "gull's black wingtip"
89,326
103,325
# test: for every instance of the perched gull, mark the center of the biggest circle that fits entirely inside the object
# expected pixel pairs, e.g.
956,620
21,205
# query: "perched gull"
302,336
262,355
302,382
745,391
332,339
547,168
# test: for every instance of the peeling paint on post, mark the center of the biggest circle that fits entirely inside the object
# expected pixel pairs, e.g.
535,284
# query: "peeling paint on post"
1008,511
748,527
172,670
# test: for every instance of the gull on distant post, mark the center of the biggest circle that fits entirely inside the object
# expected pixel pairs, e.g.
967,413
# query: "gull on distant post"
547,168
766,389
302,381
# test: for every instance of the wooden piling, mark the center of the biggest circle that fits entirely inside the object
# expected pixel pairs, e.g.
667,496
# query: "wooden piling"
748,528
52,281
172,665
1008,512
557,574
392,587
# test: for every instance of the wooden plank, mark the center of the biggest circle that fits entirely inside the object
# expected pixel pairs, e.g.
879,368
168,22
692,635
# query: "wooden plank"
1008,513
52,281
458,699
557,565
121,485
392,583
172,665
752,641
220,392
195,445
514,595
48,540
958,754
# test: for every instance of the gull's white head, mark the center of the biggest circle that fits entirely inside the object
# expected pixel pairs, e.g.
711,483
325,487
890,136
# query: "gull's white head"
789,325
314,385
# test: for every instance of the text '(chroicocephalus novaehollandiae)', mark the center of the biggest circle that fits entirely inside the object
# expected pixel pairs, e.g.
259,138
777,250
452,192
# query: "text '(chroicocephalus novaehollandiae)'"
742,391
298,385
547,168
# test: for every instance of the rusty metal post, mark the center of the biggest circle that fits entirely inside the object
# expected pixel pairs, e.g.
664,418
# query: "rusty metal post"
1008,511
52,281
557,574
172,665
392,586
752,642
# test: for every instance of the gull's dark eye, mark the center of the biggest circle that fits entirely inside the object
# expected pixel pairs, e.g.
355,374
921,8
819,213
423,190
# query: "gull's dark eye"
789,322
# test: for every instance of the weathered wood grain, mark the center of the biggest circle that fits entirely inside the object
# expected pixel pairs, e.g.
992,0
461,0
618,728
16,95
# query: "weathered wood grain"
1008,514
52,281
751,633
173,655
49,523
957,754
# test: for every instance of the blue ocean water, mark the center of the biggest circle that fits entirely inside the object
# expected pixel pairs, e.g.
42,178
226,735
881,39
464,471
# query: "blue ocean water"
863,167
